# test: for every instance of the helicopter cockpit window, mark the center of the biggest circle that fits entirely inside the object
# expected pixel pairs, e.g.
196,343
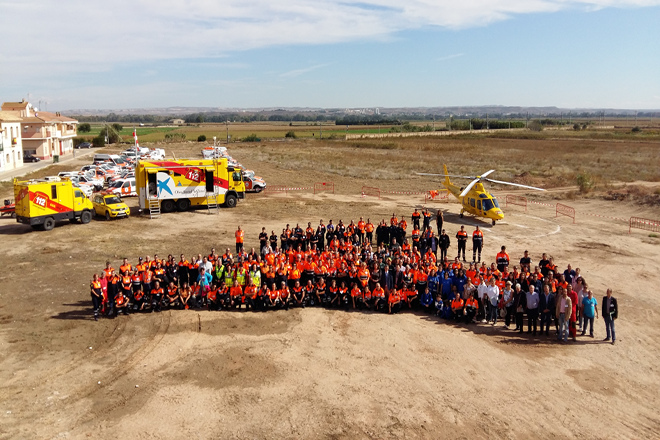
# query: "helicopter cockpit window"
472,202
488,204
479,205
483,196
497,205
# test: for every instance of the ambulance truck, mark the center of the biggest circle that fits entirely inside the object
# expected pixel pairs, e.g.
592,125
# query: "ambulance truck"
180,184
41,203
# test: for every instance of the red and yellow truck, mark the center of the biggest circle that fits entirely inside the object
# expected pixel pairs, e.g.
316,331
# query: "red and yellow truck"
180,184
41,203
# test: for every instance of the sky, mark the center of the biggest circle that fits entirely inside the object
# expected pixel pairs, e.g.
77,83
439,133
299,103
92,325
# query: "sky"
87,54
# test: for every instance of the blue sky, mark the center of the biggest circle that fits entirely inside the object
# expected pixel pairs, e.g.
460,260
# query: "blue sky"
325,53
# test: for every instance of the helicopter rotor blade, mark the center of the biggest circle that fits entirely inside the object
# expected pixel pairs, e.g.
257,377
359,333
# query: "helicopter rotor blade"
484,175
515,184
468,188
449,175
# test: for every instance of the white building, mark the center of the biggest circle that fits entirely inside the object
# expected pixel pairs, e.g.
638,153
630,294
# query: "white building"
11,143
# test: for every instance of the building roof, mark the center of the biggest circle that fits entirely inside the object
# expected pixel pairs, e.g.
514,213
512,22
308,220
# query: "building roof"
15,105
9,117
49,117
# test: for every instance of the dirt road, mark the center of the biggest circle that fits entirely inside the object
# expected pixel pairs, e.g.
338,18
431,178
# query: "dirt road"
318,373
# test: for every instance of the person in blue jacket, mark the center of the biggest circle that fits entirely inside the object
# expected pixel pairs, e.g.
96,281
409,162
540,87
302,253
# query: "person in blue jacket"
446,284
426,300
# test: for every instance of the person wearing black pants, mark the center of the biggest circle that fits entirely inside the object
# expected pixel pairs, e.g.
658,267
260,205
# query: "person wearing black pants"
97,296
444,245
461,238
439,221
547,308
532,298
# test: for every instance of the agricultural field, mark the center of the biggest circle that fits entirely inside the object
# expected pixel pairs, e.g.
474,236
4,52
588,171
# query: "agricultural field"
317,373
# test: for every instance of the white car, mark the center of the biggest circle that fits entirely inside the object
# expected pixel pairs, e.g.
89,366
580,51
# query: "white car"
88,190
124,188
156,154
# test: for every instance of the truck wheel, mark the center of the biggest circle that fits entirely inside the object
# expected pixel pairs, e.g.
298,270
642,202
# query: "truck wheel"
107,215
86,217
230,201
168,205
183,204
49,224
258,189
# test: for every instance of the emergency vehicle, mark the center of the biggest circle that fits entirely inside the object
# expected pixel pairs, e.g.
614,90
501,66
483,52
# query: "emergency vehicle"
40,203
253,183
180,184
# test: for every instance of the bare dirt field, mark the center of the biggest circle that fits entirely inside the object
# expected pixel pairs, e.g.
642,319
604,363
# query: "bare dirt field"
318,373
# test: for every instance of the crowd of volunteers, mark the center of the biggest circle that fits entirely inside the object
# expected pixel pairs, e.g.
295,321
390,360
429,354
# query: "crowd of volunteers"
363,266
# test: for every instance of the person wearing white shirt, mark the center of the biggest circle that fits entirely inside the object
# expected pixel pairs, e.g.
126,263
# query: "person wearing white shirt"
532,309
493,293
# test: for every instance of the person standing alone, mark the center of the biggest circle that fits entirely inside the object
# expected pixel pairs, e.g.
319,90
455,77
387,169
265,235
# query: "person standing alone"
610,313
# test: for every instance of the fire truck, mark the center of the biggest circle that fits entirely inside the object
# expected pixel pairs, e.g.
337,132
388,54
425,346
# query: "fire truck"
169,185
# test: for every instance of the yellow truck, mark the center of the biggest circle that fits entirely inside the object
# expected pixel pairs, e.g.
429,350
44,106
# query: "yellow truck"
168,185
41,203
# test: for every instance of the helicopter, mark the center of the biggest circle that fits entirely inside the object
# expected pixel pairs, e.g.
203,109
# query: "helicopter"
474,197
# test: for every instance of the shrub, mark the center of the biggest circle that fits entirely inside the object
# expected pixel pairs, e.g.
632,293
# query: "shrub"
201,138
251,138
84,128
117,127
535,125
585,182
77,141
99,141
290,134
576,127
175,137
636,129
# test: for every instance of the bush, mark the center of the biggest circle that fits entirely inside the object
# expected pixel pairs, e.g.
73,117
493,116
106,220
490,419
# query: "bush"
84,128
118,128
636,129
99,141
77,141
201,138
535,125
585,182
175,137
290,134
251,138
576,127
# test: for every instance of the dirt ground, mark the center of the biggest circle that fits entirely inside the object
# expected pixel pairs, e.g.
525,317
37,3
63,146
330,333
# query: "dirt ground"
317,373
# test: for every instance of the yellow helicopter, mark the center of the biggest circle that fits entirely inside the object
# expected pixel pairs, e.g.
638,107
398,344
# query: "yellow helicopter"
474,197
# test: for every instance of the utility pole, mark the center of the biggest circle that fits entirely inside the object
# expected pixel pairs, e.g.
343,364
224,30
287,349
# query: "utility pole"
320,131
487,126
227,124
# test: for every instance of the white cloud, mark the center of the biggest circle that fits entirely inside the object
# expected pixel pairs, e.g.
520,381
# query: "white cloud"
62,35
46,43
450,57
298,72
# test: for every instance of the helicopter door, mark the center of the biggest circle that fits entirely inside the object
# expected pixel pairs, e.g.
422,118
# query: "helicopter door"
479,205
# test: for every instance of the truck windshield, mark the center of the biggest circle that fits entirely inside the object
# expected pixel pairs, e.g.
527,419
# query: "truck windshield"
236,175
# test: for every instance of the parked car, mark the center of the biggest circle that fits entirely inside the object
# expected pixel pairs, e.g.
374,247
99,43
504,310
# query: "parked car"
124,188
30,158
110,206
84,145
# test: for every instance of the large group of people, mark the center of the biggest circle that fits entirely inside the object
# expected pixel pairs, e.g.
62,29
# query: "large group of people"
344,266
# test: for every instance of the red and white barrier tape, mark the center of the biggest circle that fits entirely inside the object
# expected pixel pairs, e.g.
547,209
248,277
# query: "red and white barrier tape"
408,193
605,216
